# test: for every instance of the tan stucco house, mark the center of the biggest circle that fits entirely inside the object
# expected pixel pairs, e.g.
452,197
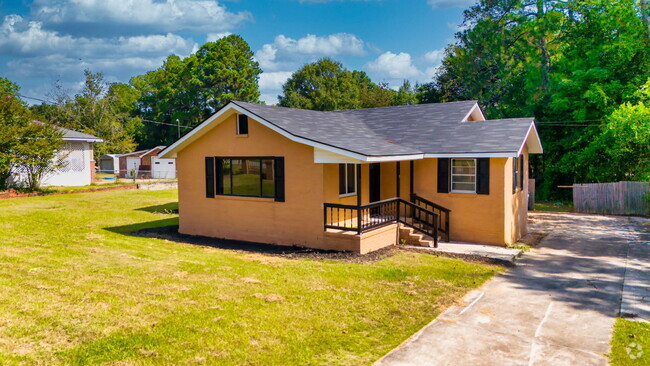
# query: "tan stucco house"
355,180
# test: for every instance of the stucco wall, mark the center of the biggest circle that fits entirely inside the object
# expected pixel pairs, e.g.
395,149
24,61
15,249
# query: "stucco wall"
516,224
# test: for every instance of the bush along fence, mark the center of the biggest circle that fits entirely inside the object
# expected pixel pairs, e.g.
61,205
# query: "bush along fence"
622,198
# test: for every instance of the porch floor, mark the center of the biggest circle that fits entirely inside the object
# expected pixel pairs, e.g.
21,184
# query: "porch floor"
502,254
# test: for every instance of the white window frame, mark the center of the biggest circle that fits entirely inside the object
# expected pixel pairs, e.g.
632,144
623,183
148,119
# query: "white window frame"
345,171
247,124
451,177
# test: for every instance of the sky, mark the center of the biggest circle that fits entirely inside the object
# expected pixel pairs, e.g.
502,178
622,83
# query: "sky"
44,42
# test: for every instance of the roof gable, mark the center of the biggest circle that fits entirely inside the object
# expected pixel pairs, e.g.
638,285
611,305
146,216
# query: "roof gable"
377,134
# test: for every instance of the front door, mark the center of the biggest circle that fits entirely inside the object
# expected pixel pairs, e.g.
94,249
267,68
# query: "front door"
375,179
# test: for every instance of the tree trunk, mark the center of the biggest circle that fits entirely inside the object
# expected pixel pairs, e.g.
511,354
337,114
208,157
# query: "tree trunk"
545,55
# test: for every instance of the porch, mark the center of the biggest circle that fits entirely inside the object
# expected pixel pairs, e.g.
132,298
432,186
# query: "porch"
415,220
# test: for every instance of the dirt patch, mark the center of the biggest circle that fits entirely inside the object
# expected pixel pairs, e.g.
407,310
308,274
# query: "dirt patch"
290,252
533,239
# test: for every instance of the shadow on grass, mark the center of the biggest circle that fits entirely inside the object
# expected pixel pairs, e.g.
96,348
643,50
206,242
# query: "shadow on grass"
167,208
167,229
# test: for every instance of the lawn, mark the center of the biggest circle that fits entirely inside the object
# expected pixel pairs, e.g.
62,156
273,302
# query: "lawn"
77,288
553,206
630,343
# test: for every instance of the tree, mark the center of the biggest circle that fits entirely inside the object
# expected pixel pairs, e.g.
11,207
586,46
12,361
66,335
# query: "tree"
324,85
569,62
624,139
96,112
39,153
406,94
27,148
14,115
187,91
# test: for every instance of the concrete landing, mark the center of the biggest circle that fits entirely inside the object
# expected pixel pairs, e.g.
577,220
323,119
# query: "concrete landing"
492,252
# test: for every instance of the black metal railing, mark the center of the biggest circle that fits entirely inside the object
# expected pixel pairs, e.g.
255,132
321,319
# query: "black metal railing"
443,213
377,214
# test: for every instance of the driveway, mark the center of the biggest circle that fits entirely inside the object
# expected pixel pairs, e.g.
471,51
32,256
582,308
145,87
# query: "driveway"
556,307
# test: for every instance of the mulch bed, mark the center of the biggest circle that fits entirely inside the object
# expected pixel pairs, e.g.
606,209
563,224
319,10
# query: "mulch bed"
291,252
11,193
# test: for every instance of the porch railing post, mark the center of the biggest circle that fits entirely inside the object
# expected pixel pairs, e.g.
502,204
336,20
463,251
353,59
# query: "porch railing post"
359,220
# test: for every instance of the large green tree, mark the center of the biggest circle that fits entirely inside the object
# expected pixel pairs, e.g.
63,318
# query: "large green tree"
27,147
566,62
327,85
324,85
186,91
96,111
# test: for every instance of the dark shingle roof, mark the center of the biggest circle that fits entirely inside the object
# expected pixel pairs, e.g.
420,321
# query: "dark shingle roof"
435,128
76,135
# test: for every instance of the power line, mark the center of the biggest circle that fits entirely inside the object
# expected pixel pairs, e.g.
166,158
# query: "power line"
142,119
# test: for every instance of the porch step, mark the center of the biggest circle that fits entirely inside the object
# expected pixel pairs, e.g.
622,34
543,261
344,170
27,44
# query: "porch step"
409,236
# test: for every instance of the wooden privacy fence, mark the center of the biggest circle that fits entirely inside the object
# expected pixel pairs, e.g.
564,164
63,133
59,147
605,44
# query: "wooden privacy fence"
622,198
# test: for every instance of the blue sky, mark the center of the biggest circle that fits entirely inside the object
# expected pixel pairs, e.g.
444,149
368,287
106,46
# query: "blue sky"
45,41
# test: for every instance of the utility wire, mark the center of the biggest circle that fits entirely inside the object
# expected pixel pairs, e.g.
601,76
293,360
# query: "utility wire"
144,120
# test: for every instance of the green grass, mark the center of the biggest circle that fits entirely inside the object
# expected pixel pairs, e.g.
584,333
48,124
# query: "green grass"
630,343
553,206
76,288
53,189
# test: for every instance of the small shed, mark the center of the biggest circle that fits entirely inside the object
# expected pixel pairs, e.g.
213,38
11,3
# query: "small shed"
110,163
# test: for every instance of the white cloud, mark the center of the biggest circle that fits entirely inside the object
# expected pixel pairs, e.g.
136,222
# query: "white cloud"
448,4
273,80
394,66
137,15
19,37
269,98
39,56
435,57
211,37
286,52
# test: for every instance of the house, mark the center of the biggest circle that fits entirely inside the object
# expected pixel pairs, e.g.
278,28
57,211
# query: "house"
143,163
355,180
78,162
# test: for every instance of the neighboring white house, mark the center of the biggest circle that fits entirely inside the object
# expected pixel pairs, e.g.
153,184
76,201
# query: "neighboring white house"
79,164
79,168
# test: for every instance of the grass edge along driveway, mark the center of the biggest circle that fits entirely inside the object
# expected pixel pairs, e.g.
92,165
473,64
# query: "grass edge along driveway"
76,288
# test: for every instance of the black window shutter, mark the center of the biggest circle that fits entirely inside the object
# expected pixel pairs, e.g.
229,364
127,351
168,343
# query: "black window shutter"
279,179
443,175
219,165
209,176
483,176
522,172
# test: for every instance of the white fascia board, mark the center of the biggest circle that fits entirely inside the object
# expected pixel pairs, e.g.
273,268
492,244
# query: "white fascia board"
532,140
473,155
373,159
82,139
476,107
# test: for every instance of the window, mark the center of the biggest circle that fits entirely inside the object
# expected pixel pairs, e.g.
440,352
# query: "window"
347,180
518,173
463,175
254,177
242,124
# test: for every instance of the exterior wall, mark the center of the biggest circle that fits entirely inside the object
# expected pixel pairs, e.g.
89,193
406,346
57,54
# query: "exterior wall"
498,218
77,172
163,168
474,217
516,224
297,221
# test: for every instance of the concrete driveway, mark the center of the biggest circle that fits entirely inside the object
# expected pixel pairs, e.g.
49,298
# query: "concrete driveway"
557,307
